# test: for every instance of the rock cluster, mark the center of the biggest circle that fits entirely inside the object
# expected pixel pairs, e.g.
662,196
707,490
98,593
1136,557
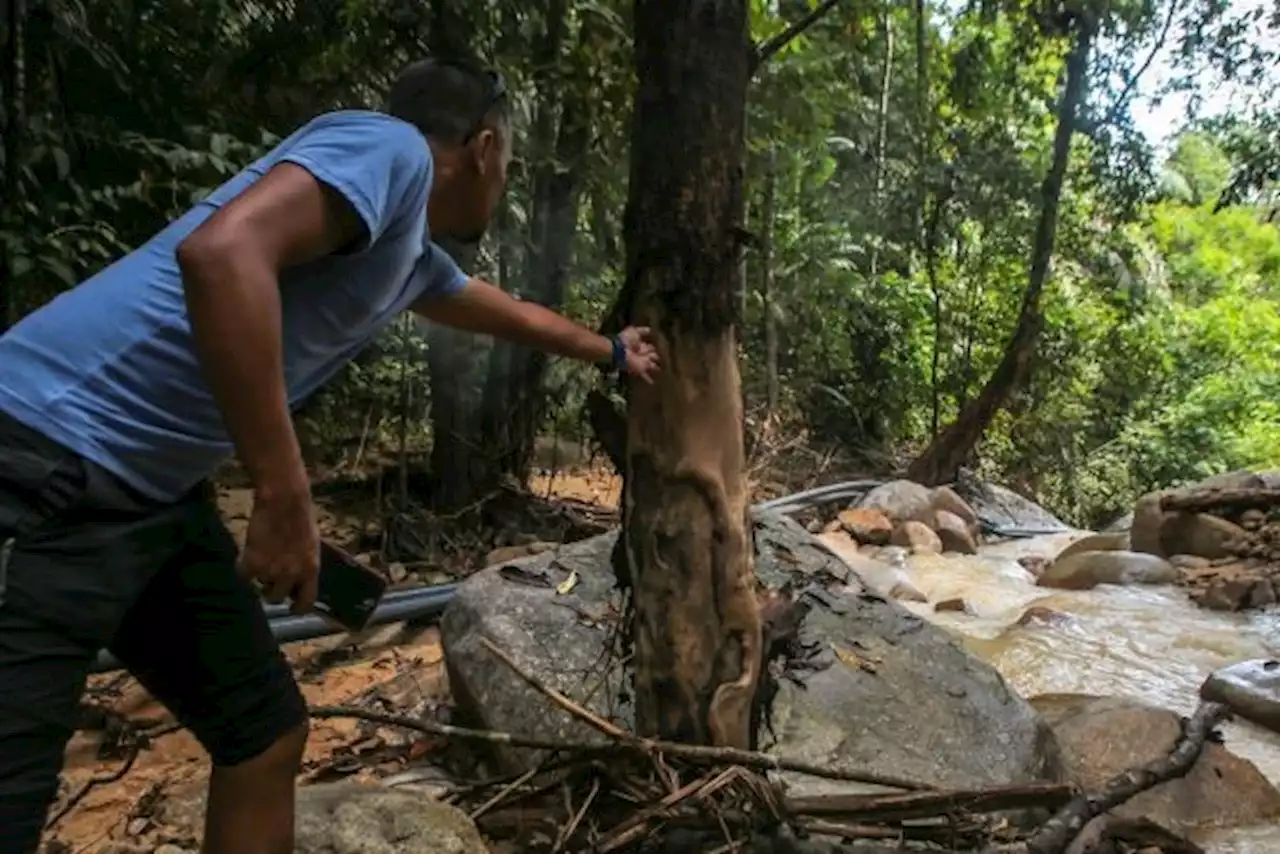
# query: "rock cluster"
906,514
1228,556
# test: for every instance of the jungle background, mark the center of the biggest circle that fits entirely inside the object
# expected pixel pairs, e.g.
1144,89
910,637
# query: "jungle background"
899,166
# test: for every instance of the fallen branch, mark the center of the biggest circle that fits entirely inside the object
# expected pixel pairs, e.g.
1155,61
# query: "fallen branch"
697,754
768,49
1211,499
864,808
135,747
1058,832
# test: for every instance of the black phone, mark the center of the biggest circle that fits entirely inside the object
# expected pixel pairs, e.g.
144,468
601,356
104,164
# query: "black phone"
349,592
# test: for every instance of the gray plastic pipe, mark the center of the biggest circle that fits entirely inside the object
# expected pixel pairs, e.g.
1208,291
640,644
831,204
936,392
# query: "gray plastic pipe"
428,603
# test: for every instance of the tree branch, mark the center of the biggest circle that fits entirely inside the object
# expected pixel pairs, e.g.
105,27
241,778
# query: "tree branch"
1132,82
766,51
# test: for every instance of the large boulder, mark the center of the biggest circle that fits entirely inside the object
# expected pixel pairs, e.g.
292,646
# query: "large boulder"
1251,689
1105,542
344,818
901,501
999,508
886,691
1086,570
1199,534
1102,737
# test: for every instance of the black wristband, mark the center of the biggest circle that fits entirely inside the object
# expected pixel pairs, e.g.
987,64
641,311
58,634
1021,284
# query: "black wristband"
619,359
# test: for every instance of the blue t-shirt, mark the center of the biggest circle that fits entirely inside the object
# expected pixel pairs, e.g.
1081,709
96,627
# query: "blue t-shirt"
108,369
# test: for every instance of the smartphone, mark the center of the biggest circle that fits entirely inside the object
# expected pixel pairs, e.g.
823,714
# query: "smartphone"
349,592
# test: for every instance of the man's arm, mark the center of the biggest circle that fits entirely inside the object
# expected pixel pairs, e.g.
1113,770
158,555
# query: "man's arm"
230,267
488,310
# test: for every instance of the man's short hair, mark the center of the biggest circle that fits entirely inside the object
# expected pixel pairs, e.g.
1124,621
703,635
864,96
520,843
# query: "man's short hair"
449,99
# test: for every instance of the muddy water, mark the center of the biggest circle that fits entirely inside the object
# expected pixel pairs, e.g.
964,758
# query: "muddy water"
1150,643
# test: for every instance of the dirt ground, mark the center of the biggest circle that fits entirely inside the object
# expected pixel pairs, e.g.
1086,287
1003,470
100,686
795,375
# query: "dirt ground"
404,666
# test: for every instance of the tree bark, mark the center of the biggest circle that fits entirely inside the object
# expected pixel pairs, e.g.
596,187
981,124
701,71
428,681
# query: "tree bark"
14,84
882,128
766,284
941,461
697,624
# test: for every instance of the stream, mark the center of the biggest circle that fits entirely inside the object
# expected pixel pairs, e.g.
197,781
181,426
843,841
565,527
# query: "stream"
1150,643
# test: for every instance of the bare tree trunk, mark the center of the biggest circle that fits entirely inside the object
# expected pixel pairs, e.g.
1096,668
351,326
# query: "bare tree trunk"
882,127
15,119
697,623
766,283
942,460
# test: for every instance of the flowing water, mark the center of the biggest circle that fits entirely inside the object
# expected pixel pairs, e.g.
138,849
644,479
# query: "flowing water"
1150,643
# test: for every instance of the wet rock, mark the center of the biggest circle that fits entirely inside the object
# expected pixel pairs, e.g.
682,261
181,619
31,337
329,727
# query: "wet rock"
954,606
945,498
880,569
885,690
1104,736
1189,562
1262,594
866,525
998,507
954,534
344,818
1199,534
1226,594
1104,542
1251,689
916,536
1042,614
1253,519
506,554
1034,564
1148,519
1086,570
900,500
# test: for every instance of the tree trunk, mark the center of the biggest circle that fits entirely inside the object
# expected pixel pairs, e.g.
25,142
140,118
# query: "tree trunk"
14,84
882,128
697,624
941,461
514,405
766,283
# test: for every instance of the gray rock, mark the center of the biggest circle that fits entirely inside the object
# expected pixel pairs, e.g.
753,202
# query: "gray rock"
897,696
1148,519
1101,737
901,501
1199,534
1121,525
1251,689
1104,542
954,533
342,818
1000,508
916,536
1086,570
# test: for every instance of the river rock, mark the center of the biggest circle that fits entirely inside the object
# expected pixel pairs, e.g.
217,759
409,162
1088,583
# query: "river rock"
901,501
891,692
1104,542
1251,689
946,499
954,534
1199,534
1148,519
917,536
867,525
1086,570
1120,525
998,507
1105,736
343,818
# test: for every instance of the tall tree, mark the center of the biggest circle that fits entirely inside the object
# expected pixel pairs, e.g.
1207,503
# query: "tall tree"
697,624
942,459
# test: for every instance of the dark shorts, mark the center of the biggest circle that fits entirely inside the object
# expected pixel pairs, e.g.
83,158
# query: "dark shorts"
87,563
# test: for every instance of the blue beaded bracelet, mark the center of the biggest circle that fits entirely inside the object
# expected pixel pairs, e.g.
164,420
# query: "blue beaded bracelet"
619,353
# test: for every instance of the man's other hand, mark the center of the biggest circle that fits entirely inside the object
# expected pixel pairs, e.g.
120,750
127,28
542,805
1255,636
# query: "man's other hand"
642,357
282,548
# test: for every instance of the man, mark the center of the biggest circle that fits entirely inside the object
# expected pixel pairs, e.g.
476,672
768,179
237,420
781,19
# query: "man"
120,397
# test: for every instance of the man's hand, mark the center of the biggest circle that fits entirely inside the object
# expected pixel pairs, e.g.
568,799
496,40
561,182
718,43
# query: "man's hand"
282,549
642,357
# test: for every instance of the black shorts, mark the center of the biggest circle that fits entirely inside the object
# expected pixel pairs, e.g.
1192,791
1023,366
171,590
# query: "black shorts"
87,563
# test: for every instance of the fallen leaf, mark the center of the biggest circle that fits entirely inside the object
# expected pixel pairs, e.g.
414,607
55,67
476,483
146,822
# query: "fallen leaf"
566,586
851,658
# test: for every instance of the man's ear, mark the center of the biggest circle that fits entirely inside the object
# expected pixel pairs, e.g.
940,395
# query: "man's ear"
482,148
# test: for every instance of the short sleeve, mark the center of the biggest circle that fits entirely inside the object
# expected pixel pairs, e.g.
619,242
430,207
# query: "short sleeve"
379,164
441,275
